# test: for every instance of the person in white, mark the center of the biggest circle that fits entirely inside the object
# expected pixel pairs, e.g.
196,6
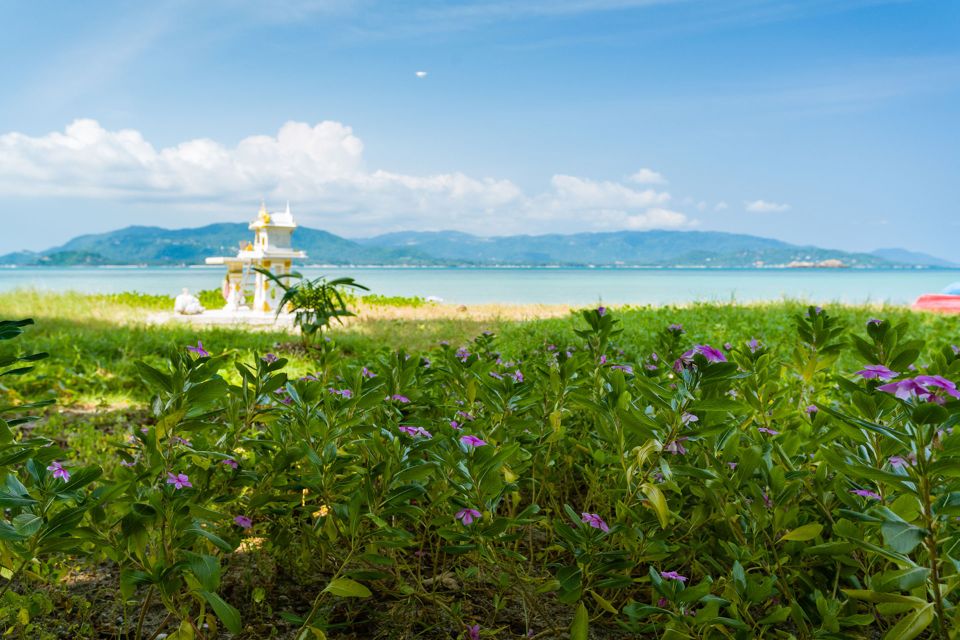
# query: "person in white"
187,304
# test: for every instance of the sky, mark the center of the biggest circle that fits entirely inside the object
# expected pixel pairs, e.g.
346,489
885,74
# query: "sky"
824,122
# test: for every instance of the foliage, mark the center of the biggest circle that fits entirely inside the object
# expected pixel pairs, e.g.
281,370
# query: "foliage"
314,303
798,481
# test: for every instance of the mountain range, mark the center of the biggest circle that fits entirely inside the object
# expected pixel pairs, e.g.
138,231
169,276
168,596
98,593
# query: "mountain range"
140,245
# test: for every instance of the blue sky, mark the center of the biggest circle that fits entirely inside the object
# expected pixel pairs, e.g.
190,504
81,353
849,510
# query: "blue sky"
817,122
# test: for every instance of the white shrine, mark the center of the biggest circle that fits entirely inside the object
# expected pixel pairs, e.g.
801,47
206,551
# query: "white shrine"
269,250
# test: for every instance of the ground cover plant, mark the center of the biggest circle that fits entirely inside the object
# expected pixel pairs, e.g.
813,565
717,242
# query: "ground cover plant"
708,472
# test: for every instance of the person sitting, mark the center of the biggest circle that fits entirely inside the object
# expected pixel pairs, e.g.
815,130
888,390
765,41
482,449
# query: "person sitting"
187,304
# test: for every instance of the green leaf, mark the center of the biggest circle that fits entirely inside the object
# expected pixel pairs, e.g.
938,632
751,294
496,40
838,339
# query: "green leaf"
580,627
902,537
228,615
219,542
347,588
804,533
658,502
911,625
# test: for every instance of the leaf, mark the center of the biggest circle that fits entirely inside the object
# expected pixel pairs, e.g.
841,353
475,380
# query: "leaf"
580,627
658,503
347,588
902,537
228,615
219,542
804,533
603,602
911,625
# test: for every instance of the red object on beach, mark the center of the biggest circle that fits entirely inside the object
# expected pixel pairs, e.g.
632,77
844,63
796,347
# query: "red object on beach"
938,302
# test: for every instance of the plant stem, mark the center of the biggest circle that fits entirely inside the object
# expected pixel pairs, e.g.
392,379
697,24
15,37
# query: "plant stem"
143,613
931,543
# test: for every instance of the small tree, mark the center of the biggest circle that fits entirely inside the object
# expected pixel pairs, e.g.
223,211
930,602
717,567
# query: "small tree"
315,303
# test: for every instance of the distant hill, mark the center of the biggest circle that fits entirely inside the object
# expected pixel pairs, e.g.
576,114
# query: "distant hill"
633,248
913,257
157,246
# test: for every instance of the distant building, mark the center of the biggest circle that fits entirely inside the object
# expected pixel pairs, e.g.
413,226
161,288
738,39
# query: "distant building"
270,250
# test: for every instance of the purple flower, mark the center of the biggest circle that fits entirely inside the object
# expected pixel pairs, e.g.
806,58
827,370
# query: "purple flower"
603,359
712,354
877,371
601,311
343,393
956,349
675,447
230,462
732,465
727,346
767,502
199,350
416,431
270,358
595,521
462,354
623,367
467,516
494,374
816,311
473,632
179,440
551,347
663,602
863,493
399,398
59,471
178,480
466,416
243,522
675,328
124,463
754,345
366,373
517,376
455,425
687,418
898,462
673,575
939,386
875,322
904,389
811,409
768,431
472,441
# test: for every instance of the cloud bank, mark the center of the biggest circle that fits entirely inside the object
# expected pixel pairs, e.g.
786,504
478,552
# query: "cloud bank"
320,168
763,206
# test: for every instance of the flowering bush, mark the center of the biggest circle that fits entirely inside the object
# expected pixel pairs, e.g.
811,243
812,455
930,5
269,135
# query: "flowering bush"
690,491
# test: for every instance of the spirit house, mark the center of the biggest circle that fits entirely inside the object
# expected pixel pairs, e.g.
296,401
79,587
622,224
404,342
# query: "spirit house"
269,250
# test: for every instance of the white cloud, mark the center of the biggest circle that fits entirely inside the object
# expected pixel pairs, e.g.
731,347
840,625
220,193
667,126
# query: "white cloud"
319,167
421,74
763,206
720,206
647,176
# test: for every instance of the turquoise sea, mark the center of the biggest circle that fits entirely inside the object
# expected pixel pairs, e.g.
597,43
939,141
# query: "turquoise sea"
533,285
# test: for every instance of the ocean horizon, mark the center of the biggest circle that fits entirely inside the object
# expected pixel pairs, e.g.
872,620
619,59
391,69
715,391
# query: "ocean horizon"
532,285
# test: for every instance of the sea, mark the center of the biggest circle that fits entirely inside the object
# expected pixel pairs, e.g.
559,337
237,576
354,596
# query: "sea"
573,286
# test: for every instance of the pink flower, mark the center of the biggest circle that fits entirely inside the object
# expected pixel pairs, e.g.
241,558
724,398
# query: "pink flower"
768,431
898,462
199,350
455,425
623,367
399,398
863,493
467,516
877,371
517,376
366,373
472,441
473,632
179,480
673,575
812,409
595,521
59,471
904,389
230,462
603,359
243,522
712,354
939,386
663,602
416,431
675,447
